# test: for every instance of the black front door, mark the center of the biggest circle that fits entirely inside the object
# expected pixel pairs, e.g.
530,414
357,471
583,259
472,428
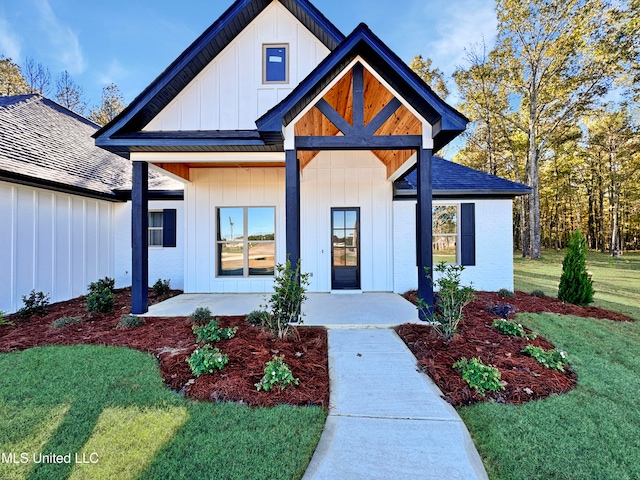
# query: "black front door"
345,248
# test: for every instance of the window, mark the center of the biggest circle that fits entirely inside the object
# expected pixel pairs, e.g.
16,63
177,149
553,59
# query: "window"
445,234
162,228
246,241
275,63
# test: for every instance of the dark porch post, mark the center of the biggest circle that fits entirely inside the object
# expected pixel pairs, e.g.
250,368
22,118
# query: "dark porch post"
292,182
139,245
424,230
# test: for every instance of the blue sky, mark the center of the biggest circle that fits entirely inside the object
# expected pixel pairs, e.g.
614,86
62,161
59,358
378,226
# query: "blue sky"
130,42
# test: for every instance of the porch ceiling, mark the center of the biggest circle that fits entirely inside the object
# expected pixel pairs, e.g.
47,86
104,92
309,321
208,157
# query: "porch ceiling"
376,97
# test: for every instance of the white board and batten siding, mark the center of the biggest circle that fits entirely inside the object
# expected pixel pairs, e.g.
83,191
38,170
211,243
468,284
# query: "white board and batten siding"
341,179
494,245
211,189
229,94
52,242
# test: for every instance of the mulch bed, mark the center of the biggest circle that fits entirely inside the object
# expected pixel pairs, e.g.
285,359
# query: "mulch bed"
525,379
171,341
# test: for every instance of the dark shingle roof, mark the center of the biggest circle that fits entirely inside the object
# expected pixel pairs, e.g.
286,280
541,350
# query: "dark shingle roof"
43,143
453,180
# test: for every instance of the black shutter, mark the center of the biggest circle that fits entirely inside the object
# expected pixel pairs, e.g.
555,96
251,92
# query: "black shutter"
468,234
169,227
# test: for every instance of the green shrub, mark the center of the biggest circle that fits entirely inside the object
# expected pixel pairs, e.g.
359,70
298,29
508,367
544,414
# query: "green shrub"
258,318
36,303
64,321
576,284
130,321
276,373
206,360
553,359
213,333
506,293
538,293
201,316
479,376
4,321
161,287
102,284
452,298
289,293
100,301
509,327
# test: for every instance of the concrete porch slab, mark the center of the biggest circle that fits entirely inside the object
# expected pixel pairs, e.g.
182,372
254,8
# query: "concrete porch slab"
366,310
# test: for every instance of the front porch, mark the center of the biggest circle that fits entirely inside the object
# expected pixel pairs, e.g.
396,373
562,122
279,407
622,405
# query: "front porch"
365,310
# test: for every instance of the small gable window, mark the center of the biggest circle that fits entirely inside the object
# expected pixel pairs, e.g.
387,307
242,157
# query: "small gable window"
275,61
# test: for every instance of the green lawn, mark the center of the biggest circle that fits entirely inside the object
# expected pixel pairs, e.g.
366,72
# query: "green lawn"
616,281
109,406
592,432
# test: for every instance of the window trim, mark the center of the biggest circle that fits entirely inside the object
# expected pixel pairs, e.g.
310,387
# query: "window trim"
245,242
286,80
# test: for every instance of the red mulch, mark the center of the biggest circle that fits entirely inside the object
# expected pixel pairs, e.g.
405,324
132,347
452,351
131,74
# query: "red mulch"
525,379
171,341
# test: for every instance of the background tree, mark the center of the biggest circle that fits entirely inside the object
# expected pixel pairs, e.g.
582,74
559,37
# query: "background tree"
558,55
37,77
11,80
112,104
69,94
431,76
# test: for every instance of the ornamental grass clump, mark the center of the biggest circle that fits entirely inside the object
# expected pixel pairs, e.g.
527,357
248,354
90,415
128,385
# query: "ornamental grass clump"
276,373
553,359
479,376
452,298
509,327
501,309
161,287
201,316
576,284
207,359
130,321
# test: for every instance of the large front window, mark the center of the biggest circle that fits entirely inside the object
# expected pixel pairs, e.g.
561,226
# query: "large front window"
246,241
445,234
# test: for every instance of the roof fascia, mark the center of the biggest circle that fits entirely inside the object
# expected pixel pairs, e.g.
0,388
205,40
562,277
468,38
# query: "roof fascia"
309,15
362,42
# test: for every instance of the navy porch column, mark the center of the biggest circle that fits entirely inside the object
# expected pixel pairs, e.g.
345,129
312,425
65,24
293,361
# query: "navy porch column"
292,182
424,230
139,245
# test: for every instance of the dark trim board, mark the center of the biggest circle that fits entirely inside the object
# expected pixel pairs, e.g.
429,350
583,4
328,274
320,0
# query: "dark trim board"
139,239
360,142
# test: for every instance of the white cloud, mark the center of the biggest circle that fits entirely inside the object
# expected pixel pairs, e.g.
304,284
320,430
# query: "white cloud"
460,24
62,40
115,73
9,41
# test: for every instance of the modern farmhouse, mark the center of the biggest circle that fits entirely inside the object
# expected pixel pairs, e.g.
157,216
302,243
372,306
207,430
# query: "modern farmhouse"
295,141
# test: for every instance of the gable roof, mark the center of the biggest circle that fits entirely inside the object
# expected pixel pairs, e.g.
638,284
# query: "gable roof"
454,180
362,42
45,145
198,55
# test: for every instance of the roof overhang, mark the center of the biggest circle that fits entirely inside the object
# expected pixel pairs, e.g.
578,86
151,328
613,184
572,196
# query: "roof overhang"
446,122
199,54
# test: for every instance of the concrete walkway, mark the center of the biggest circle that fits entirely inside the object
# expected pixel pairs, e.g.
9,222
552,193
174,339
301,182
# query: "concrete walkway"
387,420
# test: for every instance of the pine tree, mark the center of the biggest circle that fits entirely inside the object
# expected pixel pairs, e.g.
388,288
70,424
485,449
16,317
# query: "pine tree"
576,285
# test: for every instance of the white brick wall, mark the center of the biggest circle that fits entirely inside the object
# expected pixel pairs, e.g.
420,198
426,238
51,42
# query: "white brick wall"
494,246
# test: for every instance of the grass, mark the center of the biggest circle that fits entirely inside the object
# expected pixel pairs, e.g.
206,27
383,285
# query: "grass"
591,432
109,405
594,430
616,280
